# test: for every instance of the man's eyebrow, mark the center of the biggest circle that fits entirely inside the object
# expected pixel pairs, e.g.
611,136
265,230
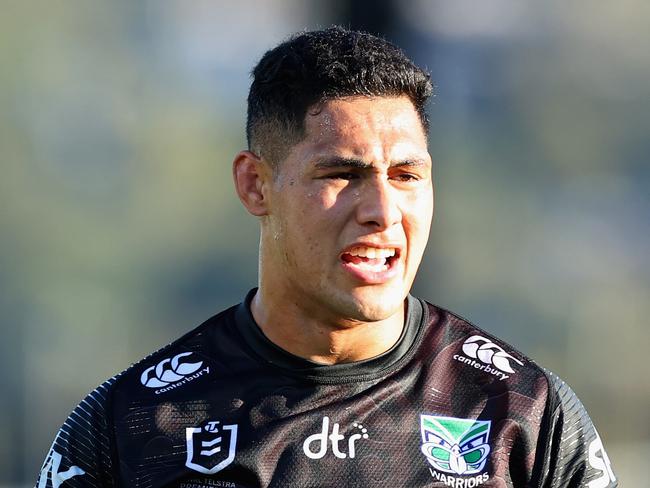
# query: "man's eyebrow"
409,162
342,162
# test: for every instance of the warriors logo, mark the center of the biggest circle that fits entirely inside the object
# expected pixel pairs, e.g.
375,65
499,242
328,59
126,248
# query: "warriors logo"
456,446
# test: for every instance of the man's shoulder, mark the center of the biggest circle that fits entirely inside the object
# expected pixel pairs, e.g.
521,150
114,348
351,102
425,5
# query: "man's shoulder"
484,352
180,361
480,349
568,446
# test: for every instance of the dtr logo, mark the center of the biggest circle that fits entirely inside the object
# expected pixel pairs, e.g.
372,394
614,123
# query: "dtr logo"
171,373
495,360
321,440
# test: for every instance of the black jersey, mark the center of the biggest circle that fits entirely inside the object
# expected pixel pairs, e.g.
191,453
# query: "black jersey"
448,405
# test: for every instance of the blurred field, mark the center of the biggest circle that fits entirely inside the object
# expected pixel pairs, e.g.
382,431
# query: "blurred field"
119,228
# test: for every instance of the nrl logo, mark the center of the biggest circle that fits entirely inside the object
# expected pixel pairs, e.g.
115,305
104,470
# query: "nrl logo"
211,448
456,446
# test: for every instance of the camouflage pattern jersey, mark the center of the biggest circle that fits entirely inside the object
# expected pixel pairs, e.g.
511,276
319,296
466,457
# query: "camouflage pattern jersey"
448,405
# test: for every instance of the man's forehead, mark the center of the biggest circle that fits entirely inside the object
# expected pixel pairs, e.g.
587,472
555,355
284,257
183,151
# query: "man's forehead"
362,111
363,116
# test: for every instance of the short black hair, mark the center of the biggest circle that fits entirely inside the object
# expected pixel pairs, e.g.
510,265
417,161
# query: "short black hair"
316,66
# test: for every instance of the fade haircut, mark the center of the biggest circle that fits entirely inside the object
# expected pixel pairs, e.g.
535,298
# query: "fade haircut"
313,67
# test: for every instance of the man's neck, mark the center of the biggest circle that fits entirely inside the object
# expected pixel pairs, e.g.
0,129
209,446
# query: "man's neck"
324,341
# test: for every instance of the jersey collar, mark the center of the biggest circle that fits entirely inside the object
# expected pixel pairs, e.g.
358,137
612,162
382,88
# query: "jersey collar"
275,356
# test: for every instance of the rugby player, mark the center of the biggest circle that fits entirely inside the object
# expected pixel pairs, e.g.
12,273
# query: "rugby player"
329,373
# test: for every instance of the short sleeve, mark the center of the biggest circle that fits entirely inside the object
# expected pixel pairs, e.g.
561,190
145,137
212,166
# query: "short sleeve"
82,452
574,453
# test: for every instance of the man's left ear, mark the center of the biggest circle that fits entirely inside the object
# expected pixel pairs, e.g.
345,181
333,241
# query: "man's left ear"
251,175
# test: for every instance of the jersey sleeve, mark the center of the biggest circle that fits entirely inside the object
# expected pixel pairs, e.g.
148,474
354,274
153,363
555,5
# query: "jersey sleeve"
574,454
82,452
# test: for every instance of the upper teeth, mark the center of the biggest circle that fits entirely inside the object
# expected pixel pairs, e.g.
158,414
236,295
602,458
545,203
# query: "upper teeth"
372,252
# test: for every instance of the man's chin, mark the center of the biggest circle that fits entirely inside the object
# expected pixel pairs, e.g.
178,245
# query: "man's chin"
376,305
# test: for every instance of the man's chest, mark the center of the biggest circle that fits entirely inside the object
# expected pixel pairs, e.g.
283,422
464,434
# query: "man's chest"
408,430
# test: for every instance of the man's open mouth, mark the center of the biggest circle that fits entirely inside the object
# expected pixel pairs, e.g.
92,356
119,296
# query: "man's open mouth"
371,258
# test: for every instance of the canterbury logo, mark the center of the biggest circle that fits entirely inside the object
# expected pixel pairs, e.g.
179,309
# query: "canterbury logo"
488,352
170,371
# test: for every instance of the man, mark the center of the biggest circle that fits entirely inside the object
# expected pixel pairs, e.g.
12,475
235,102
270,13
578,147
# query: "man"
330,373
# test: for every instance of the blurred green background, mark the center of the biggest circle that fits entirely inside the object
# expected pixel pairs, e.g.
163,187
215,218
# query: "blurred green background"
120,230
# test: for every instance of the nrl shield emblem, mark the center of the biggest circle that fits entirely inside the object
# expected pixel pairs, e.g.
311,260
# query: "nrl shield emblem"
458,446
211,448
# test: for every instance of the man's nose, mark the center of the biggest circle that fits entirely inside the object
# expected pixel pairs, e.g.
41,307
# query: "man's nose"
378,204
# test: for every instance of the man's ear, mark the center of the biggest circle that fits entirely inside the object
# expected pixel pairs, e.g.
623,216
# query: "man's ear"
252,177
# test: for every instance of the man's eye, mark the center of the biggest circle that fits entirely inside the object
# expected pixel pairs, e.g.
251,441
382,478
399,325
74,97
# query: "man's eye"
406,177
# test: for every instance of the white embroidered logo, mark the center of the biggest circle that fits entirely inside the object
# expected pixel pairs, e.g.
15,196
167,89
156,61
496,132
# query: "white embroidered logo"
495,360
323,438
51,469
171,373
204,453
599,460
